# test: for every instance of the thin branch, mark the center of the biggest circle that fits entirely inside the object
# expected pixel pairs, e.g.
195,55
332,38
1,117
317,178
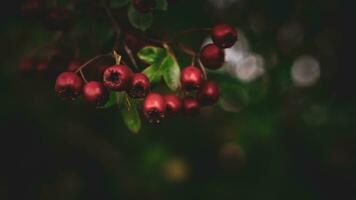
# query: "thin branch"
82,75
186,32
203,70
131,56
91,60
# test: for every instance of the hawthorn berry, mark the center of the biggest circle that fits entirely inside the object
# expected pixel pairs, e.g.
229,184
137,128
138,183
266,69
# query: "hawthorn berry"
144,5
154,107
224,36
209,93
68,85
174,104
94,92
25,65
191,106
212,57
73,65
191,78
140,86
117,77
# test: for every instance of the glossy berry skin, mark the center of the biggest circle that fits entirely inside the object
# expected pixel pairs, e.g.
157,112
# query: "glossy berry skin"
174,104
191,78
68,85
94,92
209,94
140,86
191,106
154,107
117,77
73,65
212,57
144,5
224,36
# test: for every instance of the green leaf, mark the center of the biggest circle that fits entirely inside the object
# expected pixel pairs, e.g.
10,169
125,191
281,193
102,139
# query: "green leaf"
112,100
141,21
171,72
153,73
152,55
130,114
161,5
118,3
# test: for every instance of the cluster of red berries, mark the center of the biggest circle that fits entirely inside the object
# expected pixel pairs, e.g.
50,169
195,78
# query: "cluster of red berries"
198,91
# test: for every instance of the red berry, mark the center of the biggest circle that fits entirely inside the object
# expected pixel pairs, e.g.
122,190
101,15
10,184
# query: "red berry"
140,86
174,104
209,93
94,92
212,56
74,65
191,78
117,77
42,66
191,106
154,107
68,85
224,36
25,65
144,5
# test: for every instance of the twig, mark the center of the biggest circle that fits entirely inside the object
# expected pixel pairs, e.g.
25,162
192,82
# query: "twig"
132,58
82,75
91,60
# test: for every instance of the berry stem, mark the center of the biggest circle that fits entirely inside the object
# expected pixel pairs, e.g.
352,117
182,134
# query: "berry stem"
130,55
203,70
91,60
188,51
82,75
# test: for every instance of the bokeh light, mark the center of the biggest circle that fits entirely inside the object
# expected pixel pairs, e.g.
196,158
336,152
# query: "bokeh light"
305,71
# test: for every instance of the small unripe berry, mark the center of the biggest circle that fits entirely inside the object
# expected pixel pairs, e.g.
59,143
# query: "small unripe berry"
191,78
140,86
144,5
73,65
191,106
212,57
224,36
154,107
94,92
117,77
209,93
68,85
174,104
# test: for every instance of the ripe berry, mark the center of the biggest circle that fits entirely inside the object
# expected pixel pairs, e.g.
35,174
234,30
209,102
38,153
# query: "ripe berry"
209,93
154,107
117,77
224,36
68,85
58,19
74,65
94,92
140,86
191,106
191,78
174,104
144,5
212,56
25,65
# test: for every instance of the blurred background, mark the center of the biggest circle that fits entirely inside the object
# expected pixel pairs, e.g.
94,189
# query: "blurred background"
284,127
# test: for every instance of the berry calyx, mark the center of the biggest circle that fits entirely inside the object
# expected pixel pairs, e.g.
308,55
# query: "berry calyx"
209,93
212,57
68,86
94,92
154,107
191,106
140,86
191,78
117,77
144,5
74,65
174,104
224,36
